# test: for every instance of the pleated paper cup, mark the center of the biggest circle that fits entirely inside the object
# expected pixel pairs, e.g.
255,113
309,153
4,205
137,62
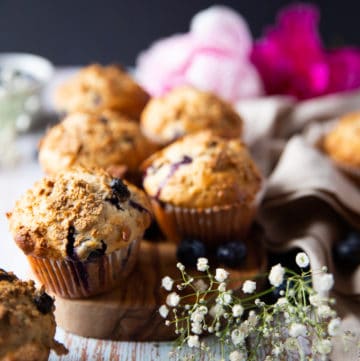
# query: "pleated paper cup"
82,279
213,226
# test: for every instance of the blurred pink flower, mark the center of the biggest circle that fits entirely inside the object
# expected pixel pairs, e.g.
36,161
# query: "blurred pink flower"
213,56
292,60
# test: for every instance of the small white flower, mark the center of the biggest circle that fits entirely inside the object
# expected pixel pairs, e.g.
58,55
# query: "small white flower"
297,329
202,264
237,356
324,347
196,327
316,300
172,299
222,287
277,350
216,311
237,337
180,266
281,302
193,341
164,311
324,311
167,283
202,309
221,275
334,327
249,286
276,275
227,298
302,260
200,285
326,282
237,310
291,344
197,317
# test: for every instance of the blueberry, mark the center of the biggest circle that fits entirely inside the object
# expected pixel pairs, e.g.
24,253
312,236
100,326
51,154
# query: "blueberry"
44,303
97,252
189,251
231,254
120,189
347,252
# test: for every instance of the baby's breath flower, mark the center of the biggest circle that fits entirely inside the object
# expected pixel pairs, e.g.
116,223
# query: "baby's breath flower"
277,350
324,311
221,275
196,328
227,298
197,317
164,311
202,264
291,344
326,282
202,309
237,310
222,287
237,356
324,347
193,341
282,302
200,285
302,260
316,300
297,329
249,286
172,299
216,311
276,275
334,327
237,337
180,266
167,283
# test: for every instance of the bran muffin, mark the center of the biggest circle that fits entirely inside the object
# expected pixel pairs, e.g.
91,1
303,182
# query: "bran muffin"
96,88
342,143
187,110
107,140
80,230
203,186
27,321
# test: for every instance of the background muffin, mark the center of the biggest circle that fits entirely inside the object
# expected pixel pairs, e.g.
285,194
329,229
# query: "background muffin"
90,140
27,322
96,88
203,186
187,110
84,219
342,143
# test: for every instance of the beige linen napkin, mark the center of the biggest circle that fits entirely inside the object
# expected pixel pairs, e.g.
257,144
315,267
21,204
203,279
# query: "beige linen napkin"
306,205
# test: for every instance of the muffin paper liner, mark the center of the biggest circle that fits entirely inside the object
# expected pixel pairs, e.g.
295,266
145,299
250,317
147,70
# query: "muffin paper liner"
211,225
81,279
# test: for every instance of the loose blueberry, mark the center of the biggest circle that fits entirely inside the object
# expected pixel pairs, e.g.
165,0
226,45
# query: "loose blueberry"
231,254
44,303
189,251
347,252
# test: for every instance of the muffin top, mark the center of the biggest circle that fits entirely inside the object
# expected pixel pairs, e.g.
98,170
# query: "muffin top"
27,322
187,110
96,88
78,215
342,143
202,170
94,140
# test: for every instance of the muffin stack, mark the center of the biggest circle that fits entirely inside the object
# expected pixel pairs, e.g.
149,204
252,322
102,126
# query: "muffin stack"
82,224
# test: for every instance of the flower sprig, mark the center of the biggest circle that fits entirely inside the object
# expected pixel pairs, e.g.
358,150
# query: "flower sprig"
299,324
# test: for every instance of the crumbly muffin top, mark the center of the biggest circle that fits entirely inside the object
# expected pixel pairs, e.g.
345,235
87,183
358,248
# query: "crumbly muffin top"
94,140
187,110
78,215
202,170
27,322
96,88
342,143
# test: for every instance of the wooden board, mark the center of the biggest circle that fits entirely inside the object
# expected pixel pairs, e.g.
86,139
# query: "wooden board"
130,312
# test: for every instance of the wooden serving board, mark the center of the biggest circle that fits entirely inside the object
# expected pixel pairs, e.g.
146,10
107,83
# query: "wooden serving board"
130,312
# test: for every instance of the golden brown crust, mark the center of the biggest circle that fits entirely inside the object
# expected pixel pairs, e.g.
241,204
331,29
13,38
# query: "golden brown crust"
187,110
96,88
79,212
342,143
27,322
202,170
90,140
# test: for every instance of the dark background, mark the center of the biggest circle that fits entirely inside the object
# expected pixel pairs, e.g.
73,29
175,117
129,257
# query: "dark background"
83,31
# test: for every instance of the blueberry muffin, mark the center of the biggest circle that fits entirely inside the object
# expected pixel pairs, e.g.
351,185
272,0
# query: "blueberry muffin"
187,110
107,140
80,230
342,143
27,322
203,186
96,88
